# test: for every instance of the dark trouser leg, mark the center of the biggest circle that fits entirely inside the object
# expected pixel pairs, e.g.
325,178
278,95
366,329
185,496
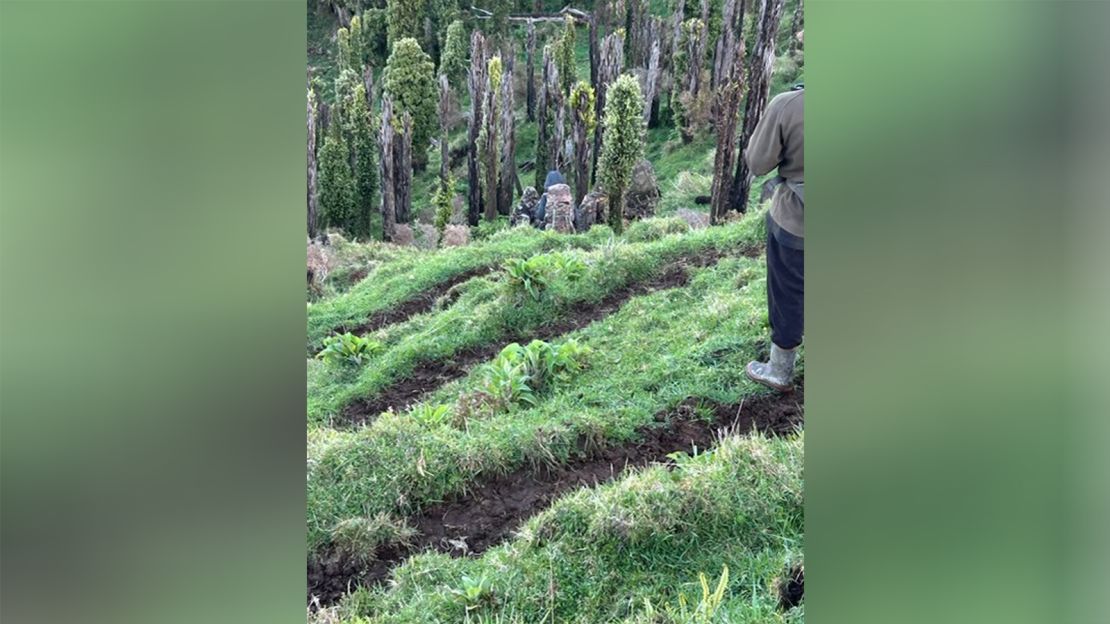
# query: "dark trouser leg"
785,293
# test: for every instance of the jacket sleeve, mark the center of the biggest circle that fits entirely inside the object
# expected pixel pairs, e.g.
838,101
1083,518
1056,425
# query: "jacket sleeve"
764,151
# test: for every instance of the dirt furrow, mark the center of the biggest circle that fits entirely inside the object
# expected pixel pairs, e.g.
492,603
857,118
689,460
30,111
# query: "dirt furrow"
429,376
419,304
494,509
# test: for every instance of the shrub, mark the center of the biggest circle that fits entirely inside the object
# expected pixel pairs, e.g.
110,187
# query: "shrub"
622,143
534,275
431,415
348,349
336,190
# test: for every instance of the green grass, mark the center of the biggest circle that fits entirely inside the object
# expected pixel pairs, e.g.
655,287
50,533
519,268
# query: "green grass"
413,271
653,353
625,550
485,314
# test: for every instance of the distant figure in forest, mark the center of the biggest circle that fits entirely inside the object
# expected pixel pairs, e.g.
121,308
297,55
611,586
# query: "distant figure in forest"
778,142
553,178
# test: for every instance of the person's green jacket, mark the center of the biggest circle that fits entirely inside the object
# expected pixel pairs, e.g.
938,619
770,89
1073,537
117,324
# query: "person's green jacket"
778,141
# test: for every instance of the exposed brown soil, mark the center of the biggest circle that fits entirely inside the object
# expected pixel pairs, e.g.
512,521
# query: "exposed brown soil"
430,375
791,588
417,305
487,515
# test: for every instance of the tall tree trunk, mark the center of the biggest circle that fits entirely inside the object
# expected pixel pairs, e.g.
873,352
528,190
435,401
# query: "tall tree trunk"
403,171
554,147
389,206
444,106
612,63
595,53
722,56
651,81
728,97
507,183
368,82
581,113
490,146
543,123
312,202
530,69
638,34
476,84
759,83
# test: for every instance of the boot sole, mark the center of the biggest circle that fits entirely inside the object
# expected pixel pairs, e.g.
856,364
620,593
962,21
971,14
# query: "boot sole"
771,385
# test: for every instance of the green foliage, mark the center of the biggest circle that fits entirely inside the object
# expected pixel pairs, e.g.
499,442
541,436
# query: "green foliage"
474,592
454,59
344,51
534,275
705,611
622,143
582,102
431,414
410,81
355,44
564,56
359,537
375,38
404,19
498,25
348,349
364,146
441,199
442,14
520,373
336,188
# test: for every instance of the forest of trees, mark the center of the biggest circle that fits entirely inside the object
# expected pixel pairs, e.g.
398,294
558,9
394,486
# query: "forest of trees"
410,73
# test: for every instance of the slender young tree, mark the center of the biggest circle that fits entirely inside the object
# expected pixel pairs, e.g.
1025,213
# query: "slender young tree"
404,19
623,144
759,85
565,57
410,81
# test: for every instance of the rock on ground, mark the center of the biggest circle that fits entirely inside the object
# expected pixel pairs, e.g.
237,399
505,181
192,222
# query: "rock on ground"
402,235
594,209
456,236
643,192
527,206
697,220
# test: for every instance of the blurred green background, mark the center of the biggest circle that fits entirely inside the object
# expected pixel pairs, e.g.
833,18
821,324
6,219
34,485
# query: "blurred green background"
152,314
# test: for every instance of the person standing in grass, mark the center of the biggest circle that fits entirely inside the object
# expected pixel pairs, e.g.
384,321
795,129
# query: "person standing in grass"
777,143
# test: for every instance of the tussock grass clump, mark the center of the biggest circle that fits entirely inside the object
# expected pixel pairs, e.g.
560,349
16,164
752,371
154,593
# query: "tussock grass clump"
648,548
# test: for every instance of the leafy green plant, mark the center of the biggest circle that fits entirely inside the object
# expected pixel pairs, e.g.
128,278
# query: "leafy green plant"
521,372
474,592
704,612
431,414
348,349
526,276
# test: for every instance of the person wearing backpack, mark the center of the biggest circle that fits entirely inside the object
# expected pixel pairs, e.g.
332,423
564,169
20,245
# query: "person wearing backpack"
778,142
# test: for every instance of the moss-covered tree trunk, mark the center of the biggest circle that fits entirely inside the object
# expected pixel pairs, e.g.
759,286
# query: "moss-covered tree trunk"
444,107
476,84
612,63
403,170
759,84
582,113
312,206
507,173
651,82
389,206
796,26
731,18
530,70
489,138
